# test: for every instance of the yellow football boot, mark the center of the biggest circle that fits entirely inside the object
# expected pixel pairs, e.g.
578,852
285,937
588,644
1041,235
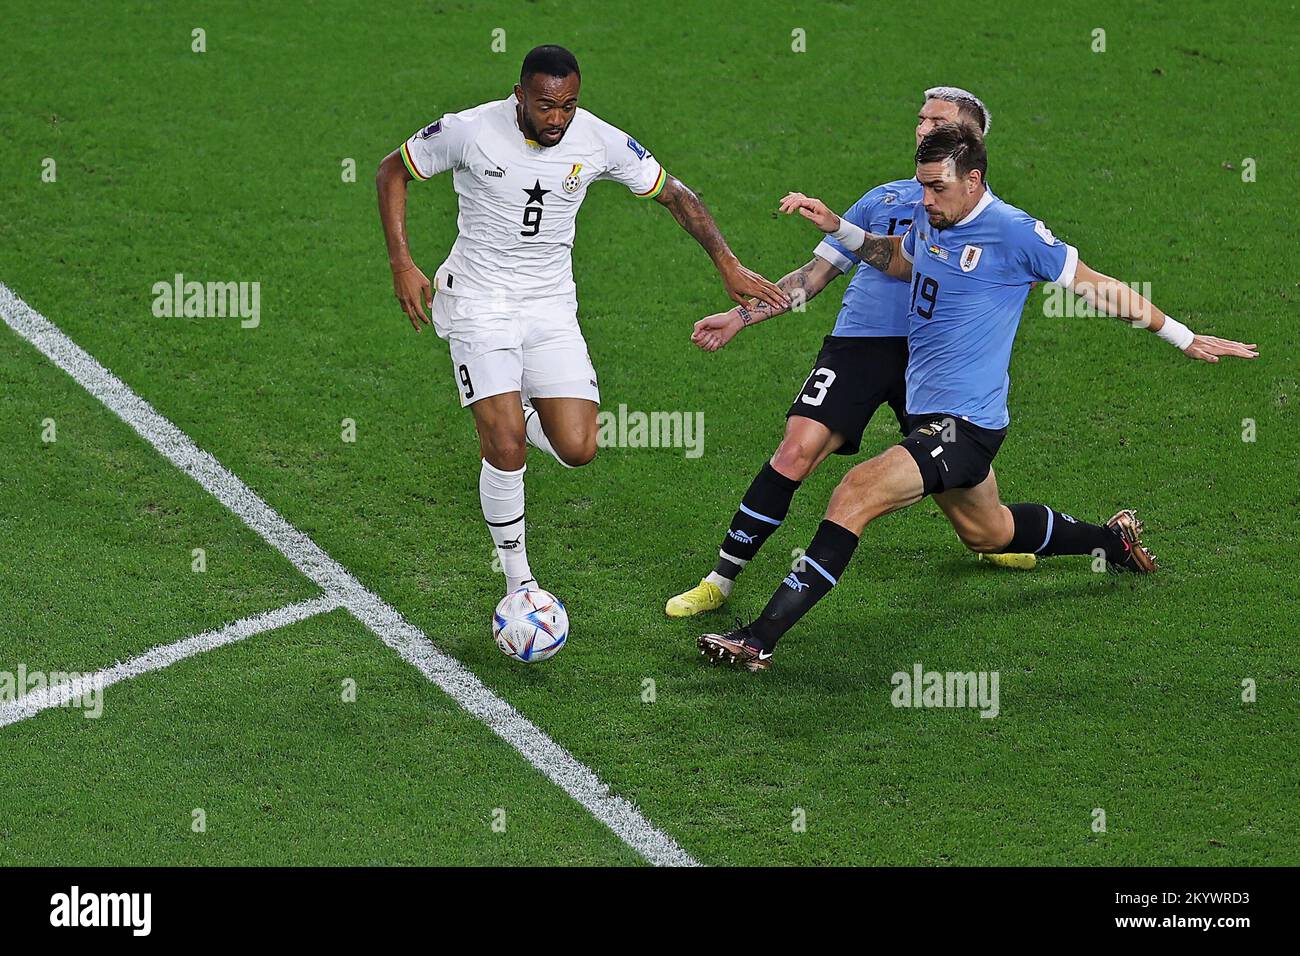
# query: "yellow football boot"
1021,562
705,596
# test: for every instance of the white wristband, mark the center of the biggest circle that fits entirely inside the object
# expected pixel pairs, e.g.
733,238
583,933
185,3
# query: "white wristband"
1175,333
851,237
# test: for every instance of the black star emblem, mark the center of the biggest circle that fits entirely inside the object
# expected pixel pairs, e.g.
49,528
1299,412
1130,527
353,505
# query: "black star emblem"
536,193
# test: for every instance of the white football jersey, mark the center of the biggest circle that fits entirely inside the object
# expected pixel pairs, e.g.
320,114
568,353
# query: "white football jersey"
519,200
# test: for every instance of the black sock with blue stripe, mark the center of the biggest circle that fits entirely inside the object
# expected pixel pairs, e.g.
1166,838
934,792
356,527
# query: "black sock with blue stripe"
761,512
1042,530
818,571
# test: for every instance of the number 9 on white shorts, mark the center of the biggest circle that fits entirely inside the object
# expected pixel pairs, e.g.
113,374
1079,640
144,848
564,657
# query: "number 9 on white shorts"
532,346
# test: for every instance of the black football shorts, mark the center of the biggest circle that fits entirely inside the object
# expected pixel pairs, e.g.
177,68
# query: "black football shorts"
950,451
852,377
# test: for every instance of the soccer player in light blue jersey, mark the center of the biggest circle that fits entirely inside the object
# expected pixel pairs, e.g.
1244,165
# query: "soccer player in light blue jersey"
970,260
860,367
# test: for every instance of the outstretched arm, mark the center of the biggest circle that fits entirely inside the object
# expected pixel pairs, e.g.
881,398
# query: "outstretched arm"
693,216
1116,298
880,252
714,331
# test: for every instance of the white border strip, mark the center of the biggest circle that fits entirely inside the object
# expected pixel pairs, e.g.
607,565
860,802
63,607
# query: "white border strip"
388,624
60,695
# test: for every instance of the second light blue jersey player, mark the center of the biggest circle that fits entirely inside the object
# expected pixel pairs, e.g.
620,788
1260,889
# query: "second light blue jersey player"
968,288
859,367
874,304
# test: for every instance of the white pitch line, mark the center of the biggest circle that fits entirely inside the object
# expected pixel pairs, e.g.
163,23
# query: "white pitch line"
409,641
62,694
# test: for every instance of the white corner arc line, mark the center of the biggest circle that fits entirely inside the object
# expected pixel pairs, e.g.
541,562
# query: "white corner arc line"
60,695
414,646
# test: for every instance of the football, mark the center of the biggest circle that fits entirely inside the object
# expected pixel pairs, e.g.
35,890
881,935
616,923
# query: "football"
530,625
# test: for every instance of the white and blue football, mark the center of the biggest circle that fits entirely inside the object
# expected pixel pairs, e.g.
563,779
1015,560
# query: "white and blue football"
530,625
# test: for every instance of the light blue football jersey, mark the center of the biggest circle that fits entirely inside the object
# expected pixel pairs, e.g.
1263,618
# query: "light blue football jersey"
969,285
874,304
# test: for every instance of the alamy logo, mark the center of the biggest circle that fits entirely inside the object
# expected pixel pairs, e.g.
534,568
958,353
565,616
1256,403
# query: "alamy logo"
635,429
1087,300
740,536
179,299
923,688
64,689
794,583
75,908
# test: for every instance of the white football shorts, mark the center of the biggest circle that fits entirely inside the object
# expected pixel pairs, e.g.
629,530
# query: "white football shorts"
532,346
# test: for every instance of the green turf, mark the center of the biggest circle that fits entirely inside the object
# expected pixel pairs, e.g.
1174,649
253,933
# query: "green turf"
285,771
1116,694
100,534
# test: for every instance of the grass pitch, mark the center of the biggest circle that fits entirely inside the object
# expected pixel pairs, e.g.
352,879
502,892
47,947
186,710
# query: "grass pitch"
1116,694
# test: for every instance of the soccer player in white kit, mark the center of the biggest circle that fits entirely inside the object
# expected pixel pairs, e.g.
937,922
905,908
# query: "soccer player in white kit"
506,302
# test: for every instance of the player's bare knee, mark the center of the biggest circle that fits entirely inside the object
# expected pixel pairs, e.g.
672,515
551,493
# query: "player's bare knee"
793,460
504,452
856,501
577,455
862,479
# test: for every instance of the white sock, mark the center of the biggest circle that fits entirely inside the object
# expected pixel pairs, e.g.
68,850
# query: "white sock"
724,584
501,493
537,437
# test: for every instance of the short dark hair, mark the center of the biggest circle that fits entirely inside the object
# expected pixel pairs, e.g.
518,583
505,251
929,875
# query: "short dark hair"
551,60
960,142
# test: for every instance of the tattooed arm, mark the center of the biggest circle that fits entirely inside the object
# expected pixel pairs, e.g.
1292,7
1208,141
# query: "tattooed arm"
885,253
714,331
693,216
881,252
